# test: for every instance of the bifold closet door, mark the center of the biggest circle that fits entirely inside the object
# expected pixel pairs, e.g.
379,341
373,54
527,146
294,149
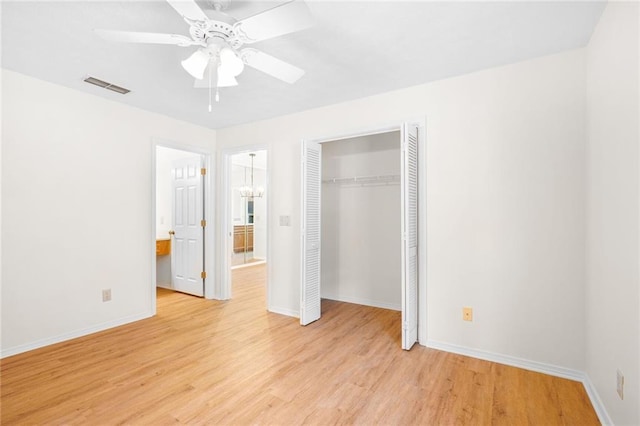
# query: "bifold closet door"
310,264
409,206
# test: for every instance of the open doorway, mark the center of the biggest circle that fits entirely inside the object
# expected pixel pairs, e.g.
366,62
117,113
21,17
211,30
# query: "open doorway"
249,208
364,220
245,221
180,220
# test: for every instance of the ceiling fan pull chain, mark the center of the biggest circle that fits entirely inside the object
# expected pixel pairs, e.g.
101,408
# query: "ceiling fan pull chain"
209,87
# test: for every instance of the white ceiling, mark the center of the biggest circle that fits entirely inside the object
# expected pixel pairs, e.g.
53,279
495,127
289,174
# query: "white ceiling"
356,49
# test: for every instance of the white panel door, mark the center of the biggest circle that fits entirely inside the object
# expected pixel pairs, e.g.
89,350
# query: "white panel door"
310,265
409,206
187,260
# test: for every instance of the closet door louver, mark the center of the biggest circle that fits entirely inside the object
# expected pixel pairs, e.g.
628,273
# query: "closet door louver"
310,268
409,188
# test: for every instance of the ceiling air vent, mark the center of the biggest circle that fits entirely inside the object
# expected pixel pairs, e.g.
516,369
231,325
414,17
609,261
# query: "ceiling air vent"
106,85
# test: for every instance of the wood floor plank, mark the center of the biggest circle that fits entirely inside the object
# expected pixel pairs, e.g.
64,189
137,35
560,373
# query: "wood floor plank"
232,362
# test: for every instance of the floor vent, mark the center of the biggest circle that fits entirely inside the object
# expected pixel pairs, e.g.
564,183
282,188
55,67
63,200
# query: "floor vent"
106,85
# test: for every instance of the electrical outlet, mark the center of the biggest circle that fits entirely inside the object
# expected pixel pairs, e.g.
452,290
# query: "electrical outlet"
620,384
106,295
467,314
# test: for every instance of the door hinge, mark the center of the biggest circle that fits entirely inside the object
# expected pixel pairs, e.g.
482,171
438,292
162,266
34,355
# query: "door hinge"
203,171
203,223
203,275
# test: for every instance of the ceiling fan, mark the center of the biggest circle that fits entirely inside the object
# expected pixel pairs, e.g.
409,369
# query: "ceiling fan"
220,41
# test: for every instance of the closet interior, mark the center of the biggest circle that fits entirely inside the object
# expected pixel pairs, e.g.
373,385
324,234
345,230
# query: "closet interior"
361,220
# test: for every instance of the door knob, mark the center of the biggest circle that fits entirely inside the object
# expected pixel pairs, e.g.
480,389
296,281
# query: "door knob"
172,232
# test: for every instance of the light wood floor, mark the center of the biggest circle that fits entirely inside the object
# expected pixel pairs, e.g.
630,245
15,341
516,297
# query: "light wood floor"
213,362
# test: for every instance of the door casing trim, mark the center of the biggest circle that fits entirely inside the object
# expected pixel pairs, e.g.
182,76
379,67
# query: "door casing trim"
209,234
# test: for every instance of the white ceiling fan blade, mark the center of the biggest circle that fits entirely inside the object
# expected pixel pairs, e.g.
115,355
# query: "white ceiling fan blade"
273,66
283,19
137,37
188,9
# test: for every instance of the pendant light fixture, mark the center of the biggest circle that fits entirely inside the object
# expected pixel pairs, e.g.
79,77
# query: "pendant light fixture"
251,191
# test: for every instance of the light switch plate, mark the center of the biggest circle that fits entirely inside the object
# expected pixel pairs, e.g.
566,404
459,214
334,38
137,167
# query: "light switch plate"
285,220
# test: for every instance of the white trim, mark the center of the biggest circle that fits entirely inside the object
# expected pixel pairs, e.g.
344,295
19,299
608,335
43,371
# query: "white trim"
74,334
210,216
284,311
362,301
526,364
598,406
422,228
373,130
152,242
225,216
224,289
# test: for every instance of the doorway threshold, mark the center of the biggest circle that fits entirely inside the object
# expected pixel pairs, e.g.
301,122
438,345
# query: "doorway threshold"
245,265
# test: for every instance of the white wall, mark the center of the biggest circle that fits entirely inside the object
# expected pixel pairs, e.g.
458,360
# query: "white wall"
613,175
76,176
361,224
505,204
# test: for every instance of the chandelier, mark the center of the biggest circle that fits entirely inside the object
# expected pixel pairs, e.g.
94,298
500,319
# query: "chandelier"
250,191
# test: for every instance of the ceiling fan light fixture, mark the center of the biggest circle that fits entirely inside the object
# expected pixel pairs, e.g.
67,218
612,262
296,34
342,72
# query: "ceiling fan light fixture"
230,62
226,80
196,64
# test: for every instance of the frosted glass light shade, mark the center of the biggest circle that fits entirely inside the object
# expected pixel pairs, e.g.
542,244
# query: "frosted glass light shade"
225,80
230,63
196,64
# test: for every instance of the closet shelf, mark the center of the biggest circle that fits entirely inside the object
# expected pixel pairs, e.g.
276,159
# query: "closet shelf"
364,180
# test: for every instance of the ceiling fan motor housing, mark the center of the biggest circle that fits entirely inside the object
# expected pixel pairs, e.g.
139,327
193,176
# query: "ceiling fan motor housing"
207,32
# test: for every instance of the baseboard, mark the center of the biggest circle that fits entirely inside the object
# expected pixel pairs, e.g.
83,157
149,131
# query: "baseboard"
513,361
72,335
540,367
601,411
284,311
362,301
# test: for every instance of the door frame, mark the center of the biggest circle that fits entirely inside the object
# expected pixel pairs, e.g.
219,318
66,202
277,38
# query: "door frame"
209,234
396,125
224,290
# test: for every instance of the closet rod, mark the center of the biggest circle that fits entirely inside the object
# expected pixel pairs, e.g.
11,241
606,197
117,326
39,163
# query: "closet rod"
378,179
